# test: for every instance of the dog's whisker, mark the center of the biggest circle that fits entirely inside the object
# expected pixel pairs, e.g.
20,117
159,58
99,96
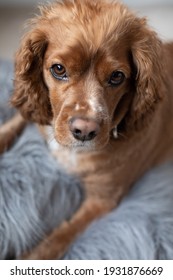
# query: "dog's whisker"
123,135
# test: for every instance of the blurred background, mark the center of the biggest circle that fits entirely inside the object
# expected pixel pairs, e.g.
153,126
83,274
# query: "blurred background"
13,14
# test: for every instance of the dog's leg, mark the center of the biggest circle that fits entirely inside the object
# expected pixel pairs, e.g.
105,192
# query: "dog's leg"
9,131
57,243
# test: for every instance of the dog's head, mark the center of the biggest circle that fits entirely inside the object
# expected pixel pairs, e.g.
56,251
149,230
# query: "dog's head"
86,67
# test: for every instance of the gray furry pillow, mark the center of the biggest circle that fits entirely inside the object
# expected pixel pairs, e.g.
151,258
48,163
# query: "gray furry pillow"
36,195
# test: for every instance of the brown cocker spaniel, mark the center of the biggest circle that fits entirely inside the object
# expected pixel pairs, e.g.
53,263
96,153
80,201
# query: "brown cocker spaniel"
102,80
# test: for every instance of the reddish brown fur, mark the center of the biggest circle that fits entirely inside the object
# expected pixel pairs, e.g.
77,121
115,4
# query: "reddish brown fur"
9,131
92,39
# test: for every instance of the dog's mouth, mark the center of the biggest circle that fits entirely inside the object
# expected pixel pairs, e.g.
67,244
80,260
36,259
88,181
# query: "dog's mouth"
84,144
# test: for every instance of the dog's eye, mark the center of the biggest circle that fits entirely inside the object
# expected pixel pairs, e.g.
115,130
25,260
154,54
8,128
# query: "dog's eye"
59,72
116,78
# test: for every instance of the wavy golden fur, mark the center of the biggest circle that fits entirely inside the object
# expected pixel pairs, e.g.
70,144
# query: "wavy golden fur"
101,78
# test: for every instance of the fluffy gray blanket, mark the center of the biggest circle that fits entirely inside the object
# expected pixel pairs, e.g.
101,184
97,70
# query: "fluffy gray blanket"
36,195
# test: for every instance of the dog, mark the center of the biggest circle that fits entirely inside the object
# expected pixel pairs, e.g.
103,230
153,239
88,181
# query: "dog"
9,131
102,80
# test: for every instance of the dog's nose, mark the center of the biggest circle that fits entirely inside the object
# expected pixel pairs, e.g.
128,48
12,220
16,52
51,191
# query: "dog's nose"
84,129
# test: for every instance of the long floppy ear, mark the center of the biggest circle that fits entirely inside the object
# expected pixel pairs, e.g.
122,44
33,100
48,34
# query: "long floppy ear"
30,92
147,59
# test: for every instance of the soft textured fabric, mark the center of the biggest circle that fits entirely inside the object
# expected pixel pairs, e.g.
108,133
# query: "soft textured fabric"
36,195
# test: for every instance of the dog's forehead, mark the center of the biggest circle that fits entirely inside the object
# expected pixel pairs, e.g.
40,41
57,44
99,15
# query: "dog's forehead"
79,56
90,24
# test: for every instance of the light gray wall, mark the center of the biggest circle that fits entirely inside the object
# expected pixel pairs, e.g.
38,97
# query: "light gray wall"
129,2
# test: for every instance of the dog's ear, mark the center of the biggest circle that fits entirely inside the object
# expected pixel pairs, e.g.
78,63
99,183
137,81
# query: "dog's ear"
30,92
148,67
